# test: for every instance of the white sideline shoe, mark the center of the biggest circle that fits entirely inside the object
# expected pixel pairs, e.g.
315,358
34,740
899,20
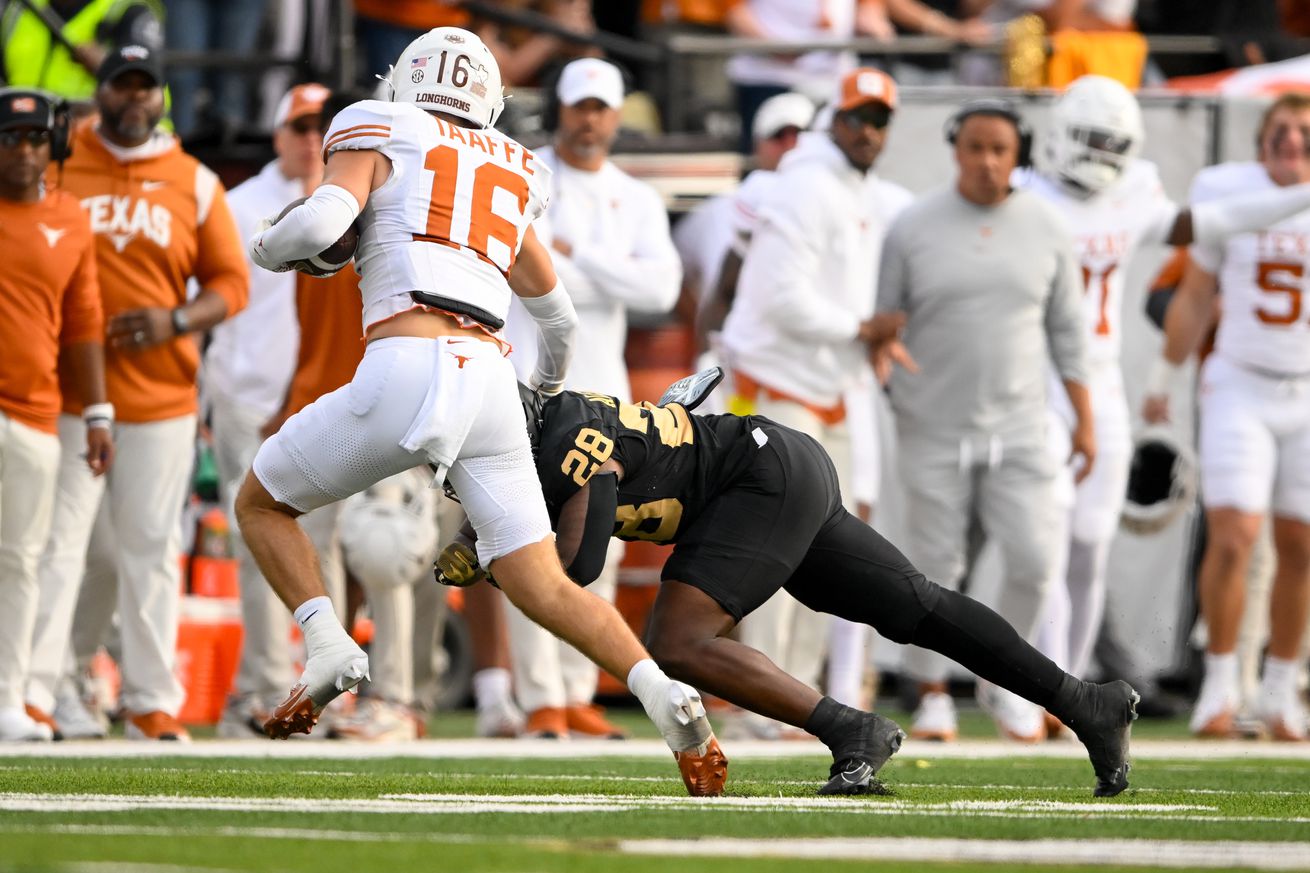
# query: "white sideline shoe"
1016,718
16,726
376,721
935,718
243,718
1283,714
501,719
76,720
1215,715
327,674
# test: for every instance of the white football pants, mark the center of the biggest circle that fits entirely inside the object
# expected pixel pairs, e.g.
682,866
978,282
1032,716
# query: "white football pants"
124,526
29,468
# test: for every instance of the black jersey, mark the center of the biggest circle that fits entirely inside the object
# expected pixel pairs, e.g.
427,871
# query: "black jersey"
673,462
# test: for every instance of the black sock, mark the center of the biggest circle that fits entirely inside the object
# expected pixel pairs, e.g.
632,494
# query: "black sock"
834,723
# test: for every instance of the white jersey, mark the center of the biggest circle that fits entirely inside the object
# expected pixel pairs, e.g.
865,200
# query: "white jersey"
450,219
1107,230
1265,324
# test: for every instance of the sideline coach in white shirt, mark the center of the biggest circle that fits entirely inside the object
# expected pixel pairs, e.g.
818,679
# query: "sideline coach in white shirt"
609,238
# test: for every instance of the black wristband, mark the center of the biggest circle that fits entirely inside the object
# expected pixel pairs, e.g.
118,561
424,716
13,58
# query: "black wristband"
180,325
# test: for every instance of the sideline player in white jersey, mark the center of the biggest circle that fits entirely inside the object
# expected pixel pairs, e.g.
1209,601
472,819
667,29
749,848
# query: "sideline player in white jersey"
445,204
813,378
1113,203
1255,421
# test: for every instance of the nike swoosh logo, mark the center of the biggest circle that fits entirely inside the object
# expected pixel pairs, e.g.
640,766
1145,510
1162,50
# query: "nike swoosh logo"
857,774
152,185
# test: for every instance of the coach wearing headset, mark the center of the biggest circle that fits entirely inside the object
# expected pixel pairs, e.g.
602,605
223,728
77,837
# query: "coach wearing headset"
49,302
986,278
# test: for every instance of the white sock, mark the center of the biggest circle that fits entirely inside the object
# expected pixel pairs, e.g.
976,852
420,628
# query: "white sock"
648,683
1221,672
1279,675
491,687
319,626
306,610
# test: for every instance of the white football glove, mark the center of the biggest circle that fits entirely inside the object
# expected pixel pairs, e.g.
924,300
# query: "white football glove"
256,250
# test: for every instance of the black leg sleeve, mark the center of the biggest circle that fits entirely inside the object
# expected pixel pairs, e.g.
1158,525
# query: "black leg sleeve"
853,572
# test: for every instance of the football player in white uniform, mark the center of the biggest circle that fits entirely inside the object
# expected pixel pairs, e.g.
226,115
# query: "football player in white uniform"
1113,203
445,204
1255,420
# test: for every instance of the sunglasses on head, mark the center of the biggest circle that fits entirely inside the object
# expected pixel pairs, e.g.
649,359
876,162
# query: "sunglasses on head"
11,139
876,115
306,124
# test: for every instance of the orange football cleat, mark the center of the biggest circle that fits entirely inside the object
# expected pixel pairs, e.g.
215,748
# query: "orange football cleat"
704,769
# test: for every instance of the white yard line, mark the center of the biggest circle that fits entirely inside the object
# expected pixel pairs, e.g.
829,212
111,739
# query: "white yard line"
1145,853
553,749
533,804
1140,853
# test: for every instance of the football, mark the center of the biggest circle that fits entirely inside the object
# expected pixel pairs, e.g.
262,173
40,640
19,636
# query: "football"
332,258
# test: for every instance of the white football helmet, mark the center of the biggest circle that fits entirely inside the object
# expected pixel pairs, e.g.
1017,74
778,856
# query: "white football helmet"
449,69
1096,131
1162,481
389,532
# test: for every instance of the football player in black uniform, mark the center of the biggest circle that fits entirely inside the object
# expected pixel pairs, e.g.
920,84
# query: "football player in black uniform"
751,507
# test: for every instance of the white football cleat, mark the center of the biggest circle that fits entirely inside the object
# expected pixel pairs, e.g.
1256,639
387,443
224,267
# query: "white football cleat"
376,721
935,718
243,718
1283,713
1215,715
501,719
1016,718
16,726
328,673
76,720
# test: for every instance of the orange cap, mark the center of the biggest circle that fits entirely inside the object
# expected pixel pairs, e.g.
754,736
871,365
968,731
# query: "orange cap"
866,85
302,100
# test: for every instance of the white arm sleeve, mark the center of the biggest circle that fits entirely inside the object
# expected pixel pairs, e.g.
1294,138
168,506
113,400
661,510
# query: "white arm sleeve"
306,230
1214,221
557,325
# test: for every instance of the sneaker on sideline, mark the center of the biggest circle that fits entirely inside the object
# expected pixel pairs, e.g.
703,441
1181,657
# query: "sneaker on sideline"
376,721
588,720
17,727
154,725
1283,714
243,718
546,723
501,719
1017,719
76,720
935,719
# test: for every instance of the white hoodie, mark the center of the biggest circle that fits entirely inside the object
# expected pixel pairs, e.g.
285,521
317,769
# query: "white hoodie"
810,274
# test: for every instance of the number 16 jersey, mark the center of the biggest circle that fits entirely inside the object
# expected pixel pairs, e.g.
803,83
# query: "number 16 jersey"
450,219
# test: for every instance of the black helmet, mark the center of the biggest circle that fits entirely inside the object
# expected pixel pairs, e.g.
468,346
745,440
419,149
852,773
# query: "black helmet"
1161,481
533,402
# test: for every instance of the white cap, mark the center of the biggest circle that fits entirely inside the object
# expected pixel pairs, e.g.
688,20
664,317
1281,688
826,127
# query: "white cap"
591,77
779,112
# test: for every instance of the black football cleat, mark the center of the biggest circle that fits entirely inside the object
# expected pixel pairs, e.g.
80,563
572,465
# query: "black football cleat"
1104,727
857,761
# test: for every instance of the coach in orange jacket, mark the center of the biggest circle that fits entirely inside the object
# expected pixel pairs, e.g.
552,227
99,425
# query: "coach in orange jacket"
49,300
160,219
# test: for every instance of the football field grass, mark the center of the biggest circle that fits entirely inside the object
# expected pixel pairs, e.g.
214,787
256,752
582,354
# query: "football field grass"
599,806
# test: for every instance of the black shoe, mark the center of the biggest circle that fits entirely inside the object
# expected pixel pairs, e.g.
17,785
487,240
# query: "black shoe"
858,759
1104,726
